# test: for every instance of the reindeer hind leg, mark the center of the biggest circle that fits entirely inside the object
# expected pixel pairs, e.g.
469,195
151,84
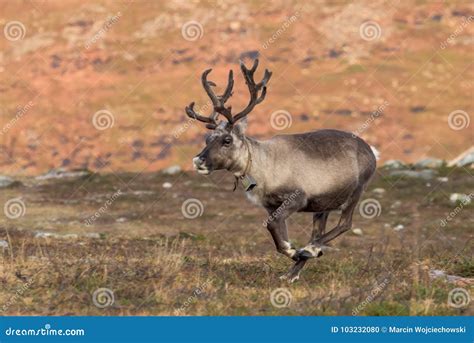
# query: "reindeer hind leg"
320,219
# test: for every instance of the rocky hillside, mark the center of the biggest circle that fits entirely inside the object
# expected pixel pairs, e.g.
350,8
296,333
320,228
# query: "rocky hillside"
103,86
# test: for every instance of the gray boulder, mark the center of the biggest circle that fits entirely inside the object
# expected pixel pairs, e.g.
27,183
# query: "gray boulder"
62,173
6,182
425,174
432,163
394,164
172,170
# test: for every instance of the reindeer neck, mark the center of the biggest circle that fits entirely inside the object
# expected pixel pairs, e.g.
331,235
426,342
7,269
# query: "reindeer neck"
252,160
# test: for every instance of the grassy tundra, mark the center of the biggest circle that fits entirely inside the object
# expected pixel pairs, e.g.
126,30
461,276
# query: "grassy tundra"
158,262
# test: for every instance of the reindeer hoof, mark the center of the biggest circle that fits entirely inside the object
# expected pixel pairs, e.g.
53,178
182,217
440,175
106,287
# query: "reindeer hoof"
294,278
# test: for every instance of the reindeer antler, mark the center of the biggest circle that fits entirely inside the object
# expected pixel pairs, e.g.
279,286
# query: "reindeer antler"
218,101
254,89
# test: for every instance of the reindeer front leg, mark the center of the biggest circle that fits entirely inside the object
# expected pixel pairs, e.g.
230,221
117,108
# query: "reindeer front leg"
276,222
278,230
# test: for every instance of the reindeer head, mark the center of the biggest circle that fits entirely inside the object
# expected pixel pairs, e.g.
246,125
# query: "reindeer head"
226,145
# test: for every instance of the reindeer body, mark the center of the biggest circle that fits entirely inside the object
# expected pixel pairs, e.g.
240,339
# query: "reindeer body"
326,165
318,172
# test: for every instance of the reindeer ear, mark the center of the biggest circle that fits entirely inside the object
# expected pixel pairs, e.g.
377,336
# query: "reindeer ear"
241,126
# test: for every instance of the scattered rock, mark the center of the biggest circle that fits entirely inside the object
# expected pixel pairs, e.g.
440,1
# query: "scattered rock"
235,26
394,164
61,173
378,191
432,163
343,112
464,159
41,234
417,109
172,170
442,179
92,235
399,227
396,204
441,274
8,182
167,185
4,245
425,174
465,199
121,220
357,232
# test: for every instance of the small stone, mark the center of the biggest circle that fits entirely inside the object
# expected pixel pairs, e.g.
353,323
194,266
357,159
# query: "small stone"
41,234
357,232
4,244
442,179
394,164
465,159
399,227
62,173
92,235
6,182
172,170
121,220
465,199
426,174
396,204
167,185
378,190
432,163
235,25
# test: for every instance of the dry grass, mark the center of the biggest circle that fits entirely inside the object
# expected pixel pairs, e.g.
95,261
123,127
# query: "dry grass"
158,263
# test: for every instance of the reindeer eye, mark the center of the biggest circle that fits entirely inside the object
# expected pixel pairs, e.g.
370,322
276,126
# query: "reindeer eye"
227,140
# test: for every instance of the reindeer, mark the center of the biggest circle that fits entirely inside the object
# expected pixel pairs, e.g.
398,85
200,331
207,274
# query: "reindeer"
318,171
